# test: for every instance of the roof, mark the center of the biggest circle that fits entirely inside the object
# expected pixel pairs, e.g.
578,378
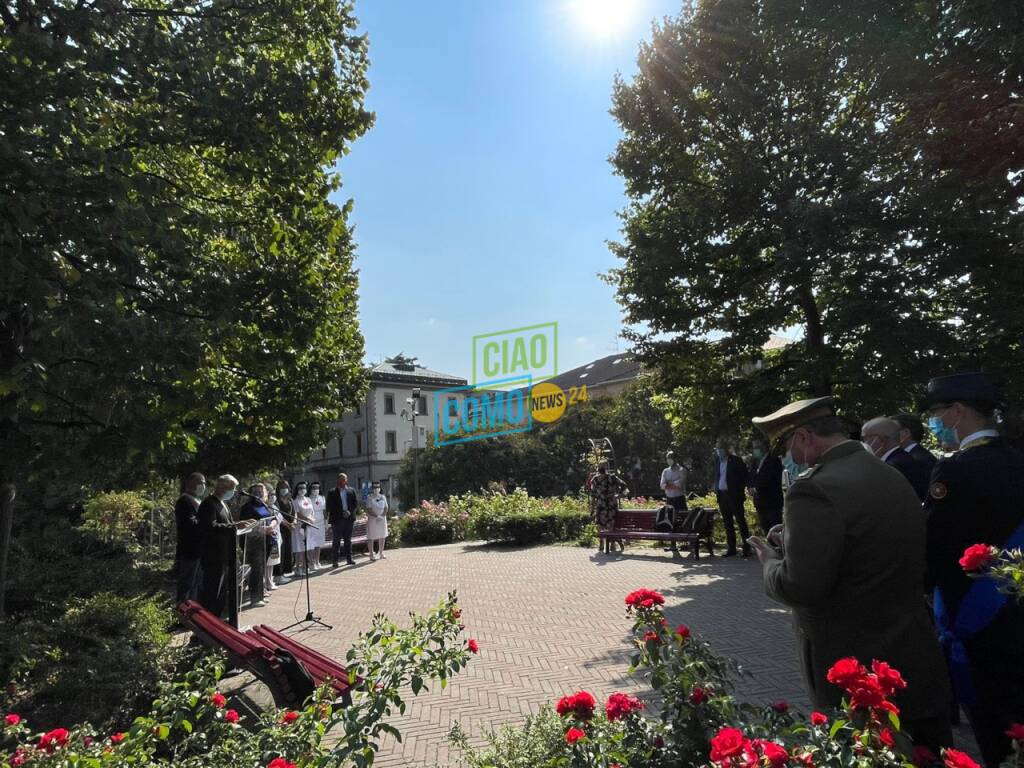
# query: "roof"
407,370
606,370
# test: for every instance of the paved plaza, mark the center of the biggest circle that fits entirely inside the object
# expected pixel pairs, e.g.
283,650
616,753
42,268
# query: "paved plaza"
549,620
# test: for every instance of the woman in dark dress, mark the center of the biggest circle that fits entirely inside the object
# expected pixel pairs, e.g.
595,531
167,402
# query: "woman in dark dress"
604,501
257,541
283,503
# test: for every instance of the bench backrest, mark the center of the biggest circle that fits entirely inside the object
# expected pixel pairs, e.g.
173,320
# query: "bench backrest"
635,519
358,530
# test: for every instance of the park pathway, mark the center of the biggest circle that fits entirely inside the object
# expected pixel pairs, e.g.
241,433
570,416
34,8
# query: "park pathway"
550,620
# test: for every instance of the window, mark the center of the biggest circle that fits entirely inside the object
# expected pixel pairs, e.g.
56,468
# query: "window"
390,442
389,404
422,405
453,407
359,443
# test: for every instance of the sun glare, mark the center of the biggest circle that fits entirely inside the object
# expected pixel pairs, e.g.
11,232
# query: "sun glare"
603,20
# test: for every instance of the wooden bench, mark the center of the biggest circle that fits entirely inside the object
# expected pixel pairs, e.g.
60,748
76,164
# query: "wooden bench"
358,535
268,654
638,524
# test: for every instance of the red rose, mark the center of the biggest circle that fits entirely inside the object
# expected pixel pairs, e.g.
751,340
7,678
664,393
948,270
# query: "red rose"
924,757
867,693
289,717
231,716
12,719
845,672
781,707
698,695
776,754
621,704
976,557
682,632
651,637
574,734
818,718
728,742
87,742
280,762
640,598
581,704
218,699
954,758
886,738
456,613
473,646
1016,732
49,741
116,738
889,679
20,757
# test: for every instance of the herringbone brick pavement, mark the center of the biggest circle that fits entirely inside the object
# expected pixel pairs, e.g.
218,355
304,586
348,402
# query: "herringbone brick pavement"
549,620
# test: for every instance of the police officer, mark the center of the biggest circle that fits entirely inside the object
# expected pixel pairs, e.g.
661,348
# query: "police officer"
851,566
976,496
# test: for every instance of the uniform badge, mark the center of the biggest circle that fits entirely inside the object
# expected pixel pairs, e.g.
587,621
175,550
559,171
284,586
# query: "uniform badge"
938,491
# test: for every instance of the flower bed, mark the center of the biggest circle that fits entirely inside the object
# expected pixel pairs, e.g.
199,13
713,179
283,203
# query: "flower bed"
700,723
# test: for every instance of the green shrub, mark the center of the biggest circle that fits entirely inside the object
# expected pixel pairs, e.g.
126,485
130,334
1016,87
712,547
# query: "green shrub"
432,524
116,517
539,741
98,661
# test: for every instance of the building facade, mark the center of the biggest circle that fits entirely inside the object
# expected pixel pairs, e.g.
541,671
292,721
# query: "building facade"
371,440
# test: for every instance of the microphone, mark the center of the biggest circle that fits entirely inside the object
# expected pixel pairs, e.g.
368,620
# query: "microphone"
240,492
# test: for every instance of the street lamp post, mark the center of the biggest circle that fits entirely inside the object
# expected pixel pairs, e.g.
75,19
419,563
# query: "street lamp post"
414,404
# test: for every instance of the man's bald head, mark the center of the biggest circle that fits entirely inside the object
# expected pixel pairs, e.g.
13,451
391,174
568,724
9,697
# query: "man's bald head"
881,434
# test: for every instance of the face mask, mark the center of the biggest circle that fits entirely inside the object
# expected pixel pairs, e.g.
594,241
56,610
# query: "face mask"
867,447
757,453
283,493
790,465
945,435
200,490
300,492
229,495
315,492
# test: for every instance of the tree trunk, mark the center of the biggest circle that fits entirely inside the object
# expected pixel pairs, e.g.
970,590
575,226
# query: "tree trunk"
820,357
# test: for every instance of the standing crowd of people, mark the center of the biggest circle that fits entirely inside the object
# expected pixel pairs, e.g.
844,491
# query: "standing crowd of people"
282,536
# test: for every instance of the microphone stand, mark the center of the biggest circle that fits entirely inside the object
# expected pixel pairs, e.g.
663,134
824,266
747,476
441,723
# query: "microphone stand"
310,618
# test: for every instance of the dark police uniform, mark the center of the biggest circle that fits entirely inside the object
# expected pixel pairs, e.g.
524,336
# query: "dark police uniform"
976,496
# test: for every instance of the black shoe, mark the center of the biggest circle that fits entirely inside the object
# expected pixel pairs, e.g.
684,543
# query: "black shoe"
350,562
334,565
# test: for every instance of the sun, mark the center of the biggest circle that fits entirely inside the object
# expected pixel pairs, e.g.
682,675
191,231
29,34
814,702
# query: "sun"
603,20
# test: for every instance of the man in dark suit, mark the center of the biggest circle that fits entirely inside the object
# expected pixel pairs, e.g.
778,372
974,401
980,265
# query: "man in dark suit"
188,548
730,483
766,486
218,546
342,505
911,434
976,496
850,564
882,436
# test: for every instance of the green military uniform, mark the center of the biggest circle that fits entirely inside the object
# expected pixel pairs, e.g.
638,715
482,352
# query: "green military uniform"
852,569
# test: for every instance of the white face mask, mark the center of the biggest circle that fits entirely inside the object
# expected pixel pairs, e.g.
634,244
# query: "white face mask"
300,492
228,495
315,492
200,490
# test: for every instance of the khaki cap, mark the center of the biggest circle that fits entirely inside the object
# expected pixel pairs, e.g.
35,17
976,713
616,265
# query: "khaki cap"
777,425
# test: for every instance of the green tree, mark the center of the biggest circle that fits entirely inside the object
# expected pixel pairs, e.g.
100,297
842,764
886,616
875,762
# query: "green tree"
780,175
178,289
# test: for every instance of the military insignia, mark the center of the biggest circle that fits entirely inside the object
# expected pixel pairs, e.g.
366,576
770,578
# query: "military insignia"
938,490
808,472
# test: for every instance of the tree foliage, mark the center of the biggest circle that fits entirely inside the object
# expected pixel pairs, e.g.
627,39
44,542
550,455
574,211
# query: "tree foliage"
178,289
792,167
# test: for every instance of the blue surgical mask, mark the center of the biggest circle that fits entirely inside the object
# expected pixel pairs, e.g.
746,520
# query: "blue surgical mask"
790,465
945,435
228,495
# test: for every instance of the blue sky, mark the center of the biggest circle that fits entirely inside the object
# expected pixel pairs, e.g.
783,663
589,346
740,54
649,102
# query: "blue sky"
483,195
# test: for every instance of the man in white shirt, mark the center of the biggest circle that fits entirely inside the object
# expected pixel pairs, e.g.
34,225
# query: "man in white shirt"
673,484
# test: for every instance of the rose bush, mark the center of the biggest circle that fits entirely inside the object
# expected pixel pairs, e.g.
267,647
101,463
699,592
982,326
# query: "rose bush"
190,726
1006,566
699,722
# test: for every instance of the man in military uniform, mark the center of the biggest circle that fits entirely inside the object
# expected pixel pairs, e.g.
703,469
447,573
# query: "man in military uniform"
850,564
976,496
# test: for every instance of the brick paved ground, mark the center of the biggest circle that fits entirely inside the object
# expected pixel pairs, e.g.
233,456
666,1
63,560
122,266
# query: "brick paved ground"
550,620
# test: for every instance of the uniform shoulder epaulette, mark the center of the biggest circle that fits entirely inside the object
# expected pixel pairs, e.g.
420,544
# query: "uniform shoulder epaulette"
808,472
